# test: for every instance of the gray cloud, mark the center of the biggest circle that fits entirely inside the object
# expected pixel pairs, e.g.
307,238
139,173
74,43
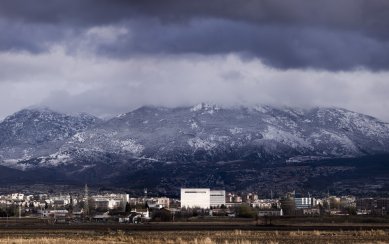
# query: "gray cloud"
107,57
105,87
325,34
279,46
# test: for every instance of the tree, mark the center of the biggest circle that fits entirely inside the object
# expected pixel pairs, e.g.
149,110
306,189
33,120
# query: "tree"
351,210
163,215
3,213
245,211
128,208
288,206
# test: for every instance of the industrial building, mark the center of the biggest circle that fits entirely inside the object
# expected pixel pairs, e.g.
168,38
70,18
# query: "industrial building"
218,198
195,198
303,202
202,198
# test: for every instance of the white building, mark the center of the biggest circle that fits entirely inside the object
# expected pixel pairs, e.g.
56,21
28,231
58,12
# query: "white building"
17,196
163,202
218,198
303,202
195,198
266,203
111,201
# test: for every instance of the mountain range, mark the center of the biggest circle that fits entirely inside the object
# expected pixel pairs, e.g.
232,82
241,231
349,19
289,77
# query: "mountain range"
238,148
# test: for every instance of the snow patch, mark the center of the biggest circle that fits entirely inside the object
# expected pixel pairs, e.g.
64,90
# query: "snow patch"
284,137
130,145
199,143
54,159
300,159
12,163
206,108
194,125
260,108
197,107
338,141
79,137
236,130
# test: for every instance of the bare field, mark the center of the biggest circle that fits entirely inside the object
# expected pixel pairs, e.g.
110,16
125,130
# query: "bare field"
198,237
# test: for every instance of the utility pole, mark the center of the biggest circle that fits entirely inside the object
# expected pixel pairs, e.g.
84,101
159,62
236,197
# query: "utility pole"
71,207
6,210
86,202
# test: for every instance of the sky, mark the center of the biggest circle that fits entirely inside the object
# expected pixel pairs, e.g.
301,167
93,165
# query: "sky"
107,57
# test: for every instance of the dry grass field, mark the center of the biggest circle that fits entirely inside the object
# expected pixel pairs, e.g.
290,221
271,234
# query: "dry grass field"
199,237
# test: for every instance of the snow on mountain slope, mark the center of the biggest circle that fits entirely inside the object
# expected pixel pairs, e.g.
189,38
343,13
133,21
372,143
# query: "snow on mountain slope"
103,141
200,133
211,133
33,133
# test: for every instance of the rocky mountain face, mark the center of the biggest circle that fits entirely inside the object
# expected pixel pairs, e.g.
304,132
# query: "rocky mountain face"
32,133
212,134
151,139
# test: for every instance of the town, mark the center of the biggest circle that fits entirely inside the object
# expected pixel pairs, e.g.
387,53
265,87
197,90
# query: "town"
194,203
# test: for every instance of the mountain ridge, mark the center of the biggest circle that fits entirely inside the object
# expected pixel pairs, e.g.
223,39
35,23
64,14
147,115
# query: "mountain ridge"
150,138
181,133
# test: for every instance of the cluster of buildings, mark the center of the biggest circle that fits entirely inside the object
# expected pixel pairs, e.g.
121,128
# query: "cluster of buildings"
292,204
208,202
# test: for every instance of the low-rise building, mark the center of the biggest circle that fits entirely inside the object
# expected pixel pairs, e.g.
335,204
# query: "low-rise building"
311,211
195,198
163,202
270,212
266,203
217,198
303,202
17,196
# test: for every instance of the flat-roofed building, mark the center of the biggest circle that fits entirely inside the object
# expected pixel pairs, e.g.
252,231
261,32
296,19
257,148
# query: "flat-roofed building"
195,198
164,202
218,198
303,202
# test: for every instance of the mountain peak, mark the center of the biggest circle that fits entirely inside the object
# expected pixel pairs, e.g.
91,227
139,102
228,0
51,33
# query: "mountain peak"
205,107
203,131
204,136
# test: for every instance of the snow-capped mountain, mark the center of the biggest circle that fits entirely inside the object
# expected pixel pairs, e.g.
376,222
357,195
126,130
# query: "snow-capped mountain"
38,132
200,133
211,133
212,144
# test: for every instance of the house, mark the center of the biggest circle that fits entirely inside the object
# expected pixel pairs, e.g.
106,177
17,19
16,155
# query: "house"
270,212
135,216
102,217
17,196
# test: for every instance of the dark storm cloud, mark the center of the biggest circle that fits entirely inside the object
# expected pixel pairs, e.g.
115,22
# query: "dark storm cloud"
327,34
278,46
24,36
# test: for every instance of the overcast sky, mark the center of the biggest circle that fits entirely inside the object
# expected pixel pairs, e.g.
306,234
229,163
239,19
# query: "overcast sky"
110,56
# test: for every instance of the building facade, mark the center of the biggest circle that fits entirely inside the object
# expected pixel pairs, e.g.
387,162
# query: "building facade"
303,202
163,202
195,198
218,198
